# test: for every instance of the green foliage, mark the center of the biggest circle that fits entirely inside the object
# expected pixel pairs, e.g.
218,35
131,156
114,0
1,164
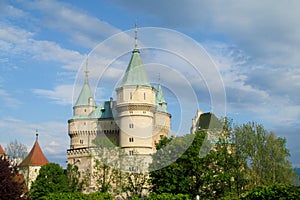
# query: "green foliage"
168,196
77,196
209,176
134,174
51,179
265,154
242,158
11,187
73,176
277,191
106,168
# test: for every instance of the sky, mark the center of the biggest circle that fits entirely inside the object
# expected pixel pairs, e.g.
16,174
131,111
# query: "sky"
235,58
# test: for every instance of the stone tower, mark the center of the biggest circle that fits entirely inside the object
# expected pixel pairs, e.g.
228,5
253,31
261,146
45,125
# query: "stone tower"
32,164
136,107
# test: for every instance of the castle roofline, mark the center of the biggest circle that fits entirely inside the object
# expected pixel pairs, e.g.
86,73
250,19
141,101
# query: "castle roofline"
35,157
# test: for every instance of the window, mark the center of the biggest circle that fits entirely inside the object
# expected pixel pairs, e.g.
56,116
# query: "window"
144,96
131,139
130,153
84,110
81,141
131,169
130,125
130,95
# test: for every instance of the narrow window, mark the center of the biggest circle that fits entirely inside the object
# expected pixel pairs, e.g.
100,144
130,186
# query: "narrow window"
131,139
130,125
130,153
130,95
144,96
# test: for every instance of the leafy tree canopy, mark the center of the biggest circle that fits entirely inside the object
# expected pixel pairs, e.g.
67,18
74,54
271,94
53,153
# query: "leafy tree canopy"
12,184
51,179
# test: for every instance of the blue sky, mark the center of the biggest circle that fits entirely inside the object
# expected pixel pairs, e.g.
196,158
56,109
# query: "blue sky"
253,46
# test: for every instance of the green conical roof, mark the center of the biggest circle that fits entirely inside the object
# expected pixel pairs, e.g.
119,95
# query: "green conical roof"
135,73
85,94
159,95
160,100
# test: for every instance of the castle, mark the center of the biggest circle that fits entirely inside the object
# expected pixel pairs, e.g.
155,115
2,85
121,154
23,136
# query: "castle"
135,121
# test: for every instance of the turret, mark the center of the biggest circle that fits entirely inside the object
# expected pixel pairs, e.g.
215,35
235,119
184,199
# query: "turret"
135,107
85,103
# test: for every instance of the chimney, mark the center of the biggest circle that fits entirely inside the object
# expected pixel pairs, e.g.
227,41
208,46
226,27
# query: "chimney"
111,103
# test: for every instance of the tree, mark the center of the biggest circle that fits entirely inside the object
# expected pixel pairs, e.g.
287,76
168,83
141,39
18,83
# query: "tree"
265,153
16,149
107,164
135,175
171,165
51,179
206,167
73,176
276,191
12,185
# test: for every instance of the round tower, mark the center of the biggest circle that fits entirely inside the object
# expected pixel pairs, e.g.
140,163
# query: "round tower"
135,106
81,126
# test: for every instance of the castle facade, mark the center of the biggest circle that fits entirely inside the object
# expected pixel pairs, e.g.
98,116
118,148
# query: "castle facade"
135,121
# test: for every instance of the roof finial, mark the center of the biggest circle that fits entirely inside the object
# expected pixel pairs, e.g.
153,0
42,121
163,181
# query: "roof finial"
86,69
36,135
158,78
135,36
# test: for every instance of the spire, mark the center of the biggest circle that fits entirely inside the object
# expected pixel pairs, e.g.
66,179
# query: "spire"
86,93
159,95
86,80
36,135
160,100
135,73
135,36
35,157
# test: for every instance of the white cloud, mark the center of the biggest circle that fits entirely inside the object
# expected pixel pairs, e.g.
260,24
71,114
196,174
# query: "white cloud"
53,137
61,94
80,27
21,42
268,31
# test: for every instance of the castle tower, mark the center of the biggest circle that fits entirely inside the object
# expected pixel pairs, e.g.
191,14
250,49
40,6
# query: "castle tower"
162,117
135,107
85,103
82,127
31,165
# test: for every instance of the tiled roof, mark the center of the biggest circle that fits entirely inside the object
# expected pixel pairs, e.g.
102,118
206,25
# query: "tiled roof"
35,157
1,151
